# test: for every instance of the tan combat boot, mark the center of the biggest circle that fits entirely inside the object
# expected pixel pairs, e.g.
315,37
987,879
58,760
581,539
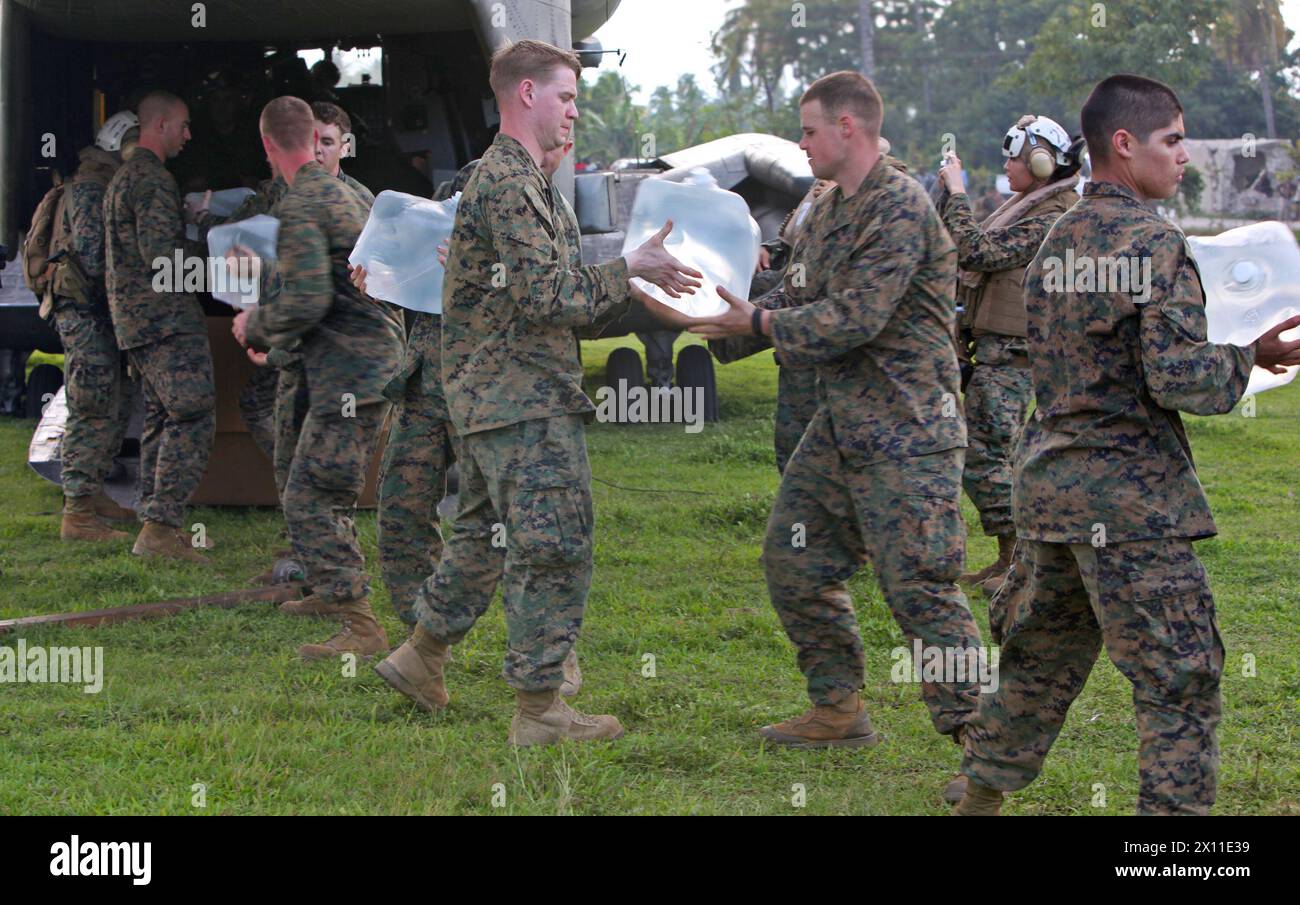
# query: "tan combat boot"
81,523
311,605
842,725
572,683
360,634
416,669
979,801
157,539
544,718
999,566
991,586
955,789
107,508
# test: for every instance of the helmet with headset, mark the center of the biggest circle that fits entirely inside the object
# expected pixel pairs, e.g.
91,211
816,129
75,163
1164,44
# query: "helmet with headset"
1049,146
115,129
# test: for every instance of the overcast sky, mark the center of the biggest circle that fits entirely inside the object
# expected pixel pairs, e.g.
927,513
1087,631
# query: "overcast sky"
665,38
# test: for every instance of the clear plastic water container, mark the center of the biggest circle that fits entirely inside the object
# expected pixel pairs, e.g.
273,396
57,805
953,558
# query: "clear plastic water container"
399,249
1251,276
224,203
239,254
712,232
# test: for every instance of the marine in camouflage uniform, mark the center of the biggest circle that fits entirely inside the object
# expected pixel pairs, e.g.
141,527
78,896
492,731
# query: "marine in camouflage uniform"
1106,504
164,335
349,346
992,257
97,390
877,475
417,456
272,423
513,296
796,388
288,398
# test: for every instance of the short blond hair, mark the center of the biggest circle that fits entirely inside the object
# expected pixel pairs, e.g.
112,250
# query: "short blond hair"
527,59
848,92
289,122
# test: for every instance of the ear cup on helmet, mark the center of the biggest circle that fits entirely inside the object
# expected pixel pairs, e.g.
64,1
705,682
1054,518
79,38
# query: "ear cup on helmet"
1042,163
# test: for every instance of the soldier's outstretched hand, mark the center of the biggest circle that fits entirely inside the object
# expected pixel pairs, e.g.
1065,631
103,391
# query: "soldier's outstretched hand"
737,320
1275,353
651,261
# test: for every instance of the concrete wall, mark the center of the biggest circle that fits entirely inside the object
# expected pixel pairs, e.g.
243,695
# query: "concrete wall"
1239,183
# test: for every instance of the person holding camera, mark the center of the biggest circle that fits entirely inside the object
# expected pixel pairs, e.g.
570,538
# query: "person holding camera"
1042,165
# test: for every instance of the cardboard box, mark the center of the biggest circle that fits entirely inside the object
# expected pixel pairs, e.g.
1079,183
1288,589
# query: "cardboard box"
238,474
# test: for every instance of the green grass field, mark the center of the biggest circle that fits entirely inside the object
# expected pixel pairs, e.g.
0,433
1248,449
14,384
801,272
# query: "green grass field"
219,698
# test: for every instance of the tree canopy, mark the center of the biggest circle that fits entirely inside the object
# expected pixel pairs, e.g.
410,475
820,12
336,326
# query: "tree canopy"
965,68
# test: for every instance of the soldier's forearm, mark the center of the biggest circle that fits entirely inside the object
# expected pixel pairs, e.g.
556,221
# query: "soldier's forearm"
1198,377
577,298
597,329
849,317
992,250
287,321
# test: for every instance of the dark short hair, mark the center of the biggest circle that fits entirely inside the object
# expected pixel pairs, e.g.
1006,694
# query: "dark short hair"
332,115
326,71
1134,103
848,92
289,122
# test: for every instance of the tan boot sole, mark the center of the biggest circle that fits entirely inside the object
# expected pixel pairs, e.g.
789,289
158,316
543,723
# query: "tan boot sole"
955,790
513,739
398,683
776,737
324,652
977,807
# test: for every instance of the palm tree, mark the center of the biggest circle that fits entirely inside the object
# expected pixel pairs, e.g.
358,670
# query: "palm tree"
1254,37
754,43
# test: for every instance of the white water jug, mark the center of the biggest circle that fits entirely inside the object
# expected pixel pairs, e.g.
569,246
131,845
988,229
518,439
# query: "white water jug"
1251,276
233,276
399,249
712,232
